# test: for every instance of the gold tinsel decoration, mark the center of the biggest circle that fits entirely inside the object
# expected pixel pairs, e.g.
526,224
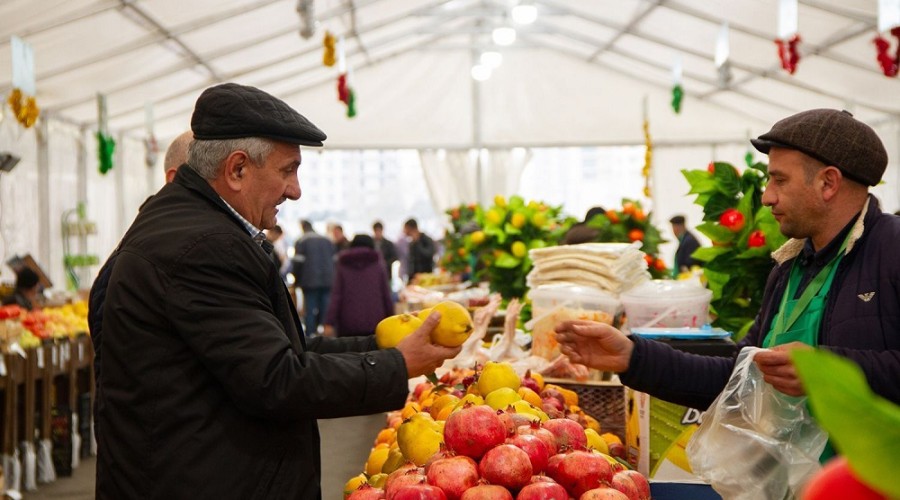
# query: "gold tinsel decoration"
24,108
648,158
328,58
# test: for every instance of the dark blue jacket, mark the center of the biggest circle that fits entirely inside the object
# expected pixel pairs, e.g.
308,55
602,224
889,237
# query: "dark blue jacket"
861,321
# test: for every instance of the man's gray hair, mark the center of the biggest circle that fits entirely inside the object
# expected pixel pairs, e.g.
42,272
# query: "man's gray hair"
207,157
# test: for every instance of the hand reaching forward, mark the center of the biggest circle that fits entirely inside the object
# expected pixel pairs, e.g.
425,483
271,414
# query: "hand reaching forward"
594,344
420,354
778,370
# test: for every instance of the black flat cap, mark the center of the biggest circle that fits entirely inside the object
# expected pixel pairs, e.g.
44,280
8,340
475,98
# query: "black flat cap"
232,111
834,138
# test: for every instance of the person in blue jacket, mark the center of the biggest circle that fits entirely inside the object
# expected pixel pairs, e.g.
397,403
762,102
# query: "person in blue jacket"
836,283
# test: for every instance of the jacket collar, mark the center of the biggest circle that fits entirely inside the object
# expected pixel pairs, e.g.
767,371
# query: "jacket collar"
794,246
188,178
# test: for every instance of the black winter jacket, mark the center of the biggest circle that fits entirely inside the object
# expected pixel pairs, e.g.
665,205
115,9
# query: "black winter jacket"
208,388
861,321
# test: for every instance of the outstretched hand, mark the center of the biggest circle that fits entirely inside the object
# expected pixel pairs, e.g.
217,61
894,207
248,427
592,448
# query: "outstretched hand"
778,369
594,344
420,354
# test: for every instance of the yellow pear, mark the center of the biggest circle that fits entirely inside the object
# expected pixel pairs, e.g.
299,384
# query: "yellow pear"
419,438
455,326
391,330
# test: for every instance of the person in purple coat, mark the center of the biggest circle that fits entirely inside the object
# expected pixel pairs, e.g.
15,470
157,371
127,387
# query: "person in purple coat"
360,293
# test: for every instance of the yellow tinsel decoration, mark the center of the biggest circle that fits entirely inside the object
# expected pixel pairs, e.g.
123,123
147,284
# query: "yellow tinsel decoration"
24,109
328,54
648,158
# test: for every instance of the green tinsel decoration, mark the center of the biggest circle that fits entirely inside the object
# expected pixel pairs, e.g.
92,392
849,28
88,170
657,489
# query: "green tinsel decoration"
677,96
748,158
107,146
351,104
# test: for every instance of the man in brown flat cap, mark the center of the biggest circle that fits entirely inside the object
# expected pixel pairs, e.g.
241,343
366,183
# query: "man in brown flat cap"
834,286
209,388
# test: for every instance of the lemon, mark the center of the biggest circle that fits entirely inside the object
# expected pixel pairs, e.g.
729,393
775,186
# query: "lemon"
478,237
419,438
517,220
525,408
424,313
501,398
376,460
595,442
472,399
455,326
499,200
353,484
493,216
394,460
378,480
391,330
518,249
496,375
539,219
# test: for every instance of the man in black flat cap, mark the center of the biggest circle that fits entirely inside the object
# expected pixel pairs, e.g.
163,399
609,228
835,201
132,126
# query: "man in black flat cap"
834,286
209,388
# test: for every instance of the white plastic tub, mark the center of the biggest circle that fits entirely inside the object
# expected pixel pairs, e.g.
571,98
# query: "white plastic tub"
553,304
667,304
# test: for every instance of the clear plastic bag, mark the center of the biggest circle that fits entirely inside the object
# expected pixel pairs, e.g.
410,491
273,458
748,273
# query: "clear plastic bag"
756,442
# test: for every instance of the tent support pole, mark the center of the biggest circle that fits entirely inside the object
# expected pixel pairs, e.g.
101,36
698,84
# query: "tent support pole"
43,185
476,129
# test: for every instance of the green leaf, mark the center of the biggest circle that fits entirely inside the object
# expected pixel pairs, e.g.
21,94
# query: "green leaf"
728,182
510,229
754,253
863,425
707,254
717,204
700,180
506,261
716,232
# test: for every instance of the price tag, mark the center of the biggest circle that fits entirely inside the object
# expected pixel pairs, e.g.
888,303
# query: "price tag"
80,351
54,356
2,366
66,352
40,356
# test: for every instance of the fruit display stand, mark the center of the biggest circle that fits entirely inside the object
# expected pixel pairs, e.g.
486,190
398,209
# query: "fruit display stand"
603,400
47,397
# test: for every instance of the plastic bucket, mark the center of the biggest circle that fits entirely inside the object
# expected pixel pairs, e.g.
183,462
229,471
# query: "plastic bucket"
667,304
553,304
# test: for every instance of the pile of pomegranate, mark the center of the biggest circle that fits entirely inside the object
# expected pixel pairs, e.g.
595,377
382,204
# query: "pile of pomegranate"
496,454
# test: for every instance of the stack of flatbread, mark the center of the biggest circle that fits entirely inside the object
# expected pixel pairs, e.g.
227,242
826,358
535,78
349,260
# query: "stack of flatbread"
611,267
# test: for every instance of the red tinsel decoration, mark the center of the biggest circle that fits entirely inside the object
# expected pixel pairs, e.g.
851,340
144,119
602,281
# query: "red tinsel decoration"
889,65
787,52
343,91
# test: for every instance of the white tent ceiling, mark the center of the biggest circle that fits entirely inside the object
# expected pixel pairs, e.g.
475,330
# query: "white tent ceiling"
581,74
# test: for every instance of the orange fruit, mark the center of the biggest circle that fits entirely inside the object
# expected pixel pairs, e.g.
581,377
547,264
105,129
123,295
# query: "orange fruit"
387,435
410,409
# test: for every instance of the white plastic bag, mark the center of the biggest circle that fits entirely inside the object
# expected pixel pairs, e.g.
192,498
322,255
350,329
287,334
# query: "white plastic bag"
29,460
46,473
756,442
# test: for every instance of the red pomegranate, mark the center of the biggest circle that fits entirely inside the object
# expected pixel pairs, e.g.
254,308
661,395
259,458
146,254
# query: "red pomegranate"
473,430
580,471
367,492
537,450
506,465
543,491
453,475
626,486
400,478
603,493
545,435
640,482
420,492
569,434
487,492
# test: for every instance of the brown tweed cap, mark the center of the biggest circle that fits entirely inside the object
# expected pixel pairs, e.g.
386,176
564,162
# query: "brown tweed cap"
834,138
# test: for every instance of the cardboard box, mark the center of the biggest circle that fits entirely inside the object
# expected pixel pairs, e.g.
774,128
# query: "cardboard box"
657,432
